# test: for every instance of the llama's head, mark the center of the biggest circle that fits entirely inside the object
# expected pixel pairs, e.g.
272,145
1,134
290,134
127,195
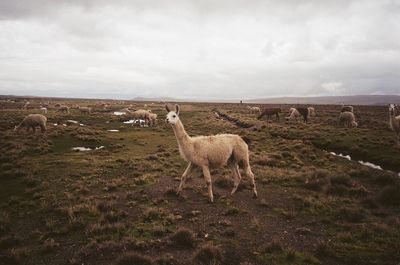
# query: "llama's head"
392,109
172,116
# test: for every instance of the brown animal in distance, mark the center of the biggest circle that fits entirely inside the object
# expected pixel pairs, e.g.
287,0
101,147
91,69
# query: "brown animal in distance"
269,112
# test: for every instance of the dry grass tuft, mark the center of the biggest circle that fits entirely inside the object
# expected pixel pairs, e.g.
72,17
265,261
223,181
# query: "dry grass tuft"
208,255
134,259
390,195
183,238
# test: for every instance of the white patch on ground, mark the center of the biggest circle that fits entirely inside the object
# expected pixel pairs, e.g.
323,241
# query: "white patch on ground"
364,163
369,164
113,130
81,124
340,155
80,148
72,121
129,122
55,124
64,125
142,123
119,113
83,149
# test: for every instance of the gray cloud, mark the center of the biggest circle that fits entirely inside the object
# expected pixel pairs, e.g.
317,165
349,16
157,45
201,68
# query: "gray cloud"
202,49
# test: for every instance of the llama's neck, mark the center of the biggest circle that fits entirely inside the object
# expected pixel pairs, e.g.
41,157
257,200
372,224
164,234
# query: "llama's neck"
182,137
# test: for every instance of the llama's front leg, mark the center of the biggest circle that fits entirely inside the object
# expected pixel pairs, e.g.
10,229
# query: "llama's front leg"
188,170
207,177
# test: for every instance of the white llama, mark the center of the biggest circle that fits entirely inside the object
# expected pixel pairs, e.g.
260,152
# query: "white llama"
211,151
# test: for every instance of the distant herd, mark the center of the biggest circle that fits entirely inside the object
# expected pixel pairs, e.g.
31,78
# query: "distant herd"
205,152
296,114
32,121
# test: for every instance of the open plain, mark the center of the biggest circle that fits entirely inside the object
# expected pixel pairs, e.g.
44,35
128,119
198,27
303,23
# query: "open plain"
115,202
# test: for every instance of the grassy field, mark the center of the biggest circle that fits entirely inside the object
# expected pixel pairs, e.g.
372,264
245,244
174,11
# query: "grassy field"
117,204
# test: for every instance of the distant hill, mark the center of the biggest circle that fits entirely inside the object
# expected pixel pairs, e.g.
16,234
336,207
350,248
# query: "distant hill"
158,99
331,100
334,100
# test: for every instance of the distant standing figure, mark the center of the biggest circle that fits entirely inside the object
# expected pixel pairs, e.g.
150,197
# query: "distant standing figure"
394,122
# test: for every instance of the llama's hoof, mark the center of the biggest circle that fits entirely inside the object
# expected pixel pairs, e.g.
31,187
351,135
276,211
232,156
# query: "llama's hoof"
255,195
211,200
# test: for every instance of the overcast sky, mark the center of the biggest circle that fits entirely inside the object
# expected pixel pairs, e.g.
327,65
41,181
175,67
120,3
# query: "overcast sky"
203,49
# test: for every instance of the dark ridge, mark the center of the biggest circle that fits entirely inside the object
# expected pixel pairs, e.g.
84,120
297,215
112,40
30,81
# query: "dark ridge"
235,121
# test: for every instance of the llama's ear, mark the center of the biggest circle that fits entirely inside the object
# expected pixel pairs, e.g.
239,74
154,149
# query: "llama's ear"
167,108
177,109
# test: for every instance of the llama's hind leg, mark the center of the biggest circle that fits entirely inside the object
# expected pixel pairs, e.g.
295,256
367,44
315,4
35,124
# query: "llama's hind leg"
250,174
207,177
188,170
236,177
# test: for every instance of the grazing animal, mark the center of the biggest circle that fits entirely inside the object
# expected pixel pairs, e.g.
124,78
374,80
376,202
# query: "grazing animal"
85,109
347,108
33,121
43,109
140,114
394,121
269,112
347,119
104,106
206,152
304,112
254,109
311,111
63,109
153,119
27,105
294,115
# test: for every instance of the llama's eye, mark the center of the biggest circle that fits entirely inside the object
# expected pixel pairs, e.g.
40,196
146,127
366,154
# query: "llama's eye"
173,116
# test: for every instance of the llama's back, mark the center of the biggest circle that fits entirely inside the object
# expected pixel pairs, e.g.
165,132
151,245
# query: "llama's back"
221,148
